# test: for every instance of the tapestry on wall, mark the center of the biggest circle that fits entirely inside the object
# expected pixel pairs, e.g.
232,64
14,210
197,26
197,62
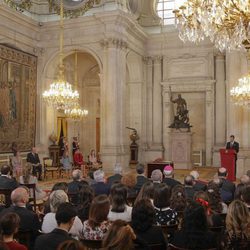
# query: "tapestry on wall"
18,72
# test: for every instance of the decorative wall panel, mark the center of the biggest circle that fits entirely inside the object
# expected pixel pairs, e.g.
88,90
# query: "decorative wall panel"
18,77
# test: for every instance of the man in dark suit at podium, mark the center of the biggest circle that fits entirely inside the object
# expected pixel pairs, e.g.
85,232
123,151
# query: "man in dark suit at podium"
232,144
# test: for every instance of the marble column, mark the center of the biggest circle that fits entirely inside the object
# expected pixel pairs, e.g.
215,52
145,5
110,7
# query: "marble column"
166,122
157,105
112,103
149,130
220,101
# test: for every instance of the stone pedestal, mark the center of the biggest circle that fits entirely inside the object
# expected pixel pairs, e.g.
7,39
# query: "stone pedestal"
181,148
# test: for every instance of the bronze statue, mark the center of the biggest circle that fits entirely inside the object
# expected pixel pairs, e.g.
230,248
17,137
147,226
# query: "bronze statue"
181,119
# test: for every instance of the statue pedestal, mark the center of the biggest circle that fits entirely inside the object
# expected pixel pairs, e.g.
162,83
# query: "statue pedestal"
133,153
181,149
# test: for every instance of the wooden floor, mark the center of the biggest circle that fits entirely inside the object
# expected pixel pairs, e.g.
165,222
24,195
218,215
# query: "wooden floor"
206,173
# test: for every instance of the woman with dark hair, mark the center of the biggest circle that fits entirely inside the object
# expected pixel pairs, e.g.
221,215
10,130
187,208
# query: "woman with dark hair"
86,195
214,198
213,218
9,225
97,225
119,209
146,192
194,233
178,198
129,180
163,213
143,220
237,226
238,191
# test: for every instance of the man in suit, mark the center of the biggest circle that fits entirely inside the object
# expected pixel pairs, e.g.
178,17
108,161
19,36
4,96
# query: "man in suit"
140,178
168,172
33,158
6,181
198,184
65,217
100,187
189,189
117,176
28,219
226,185
232,144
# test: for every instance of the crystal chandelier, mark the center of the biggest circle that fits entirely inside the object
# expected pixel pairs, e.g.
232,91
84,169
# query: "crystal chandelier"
225,22
60,94
76,112
241,93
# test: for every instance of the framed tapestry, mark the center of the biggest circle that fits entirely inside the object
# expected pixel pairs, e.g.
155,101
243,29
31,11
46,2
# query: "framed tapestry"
18,77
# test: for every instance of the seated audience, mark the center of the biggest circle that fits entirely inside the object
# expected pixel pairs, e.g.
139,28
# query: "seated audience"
129,181
93,158
226,186
237,226
71,245
90,177
100,187
119,210
214,198
117,175
245,179
97,225
6,181
198,184
245,196
78,158
194,233
156,177
121,236
16,162
189,186
248,172
140,178
66,163
49,221
65,216
33,158
27,178
146,192
213,217
168,173
86,195
9,225
163,213
143,219
178,198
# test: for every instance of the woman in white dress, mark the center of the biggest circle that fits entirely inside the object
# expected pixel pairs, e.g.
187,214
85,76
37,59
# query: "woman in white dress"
28,178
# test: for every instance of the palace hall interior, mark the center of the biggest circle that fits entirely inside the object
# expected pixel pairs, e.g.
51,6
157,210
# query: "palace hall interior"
124,124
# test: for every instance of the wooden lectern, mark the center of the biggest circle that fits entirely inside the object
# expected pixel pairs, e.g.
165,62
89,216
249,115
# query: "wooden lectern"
227,158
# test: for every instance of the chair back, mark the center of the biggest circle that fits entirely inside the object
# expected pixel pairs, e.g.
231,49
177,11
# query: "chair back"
5,195
74,198
169,230
92,244
32,188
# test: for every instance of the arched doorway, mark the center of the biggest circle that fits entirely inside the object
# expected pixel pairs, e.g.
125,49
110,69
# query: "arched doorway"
88,129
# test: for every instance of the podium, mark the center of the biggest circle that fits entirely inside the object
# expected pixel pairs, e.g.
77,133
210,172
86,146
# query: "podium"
227,158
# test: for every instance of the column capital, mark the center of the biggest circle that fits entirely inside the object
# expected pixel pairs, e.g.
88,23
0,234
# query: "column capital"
157,59
148,60
220,56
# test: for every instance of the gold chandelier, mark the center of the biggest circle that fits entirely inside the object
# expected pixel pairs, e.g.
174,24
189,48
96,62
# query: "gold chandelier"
225,22
76,112
60,94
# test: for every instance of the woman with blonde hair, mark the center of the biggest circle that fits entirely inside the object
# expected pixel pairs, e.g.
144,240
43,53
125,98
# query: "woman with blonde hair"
238,226
28,178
